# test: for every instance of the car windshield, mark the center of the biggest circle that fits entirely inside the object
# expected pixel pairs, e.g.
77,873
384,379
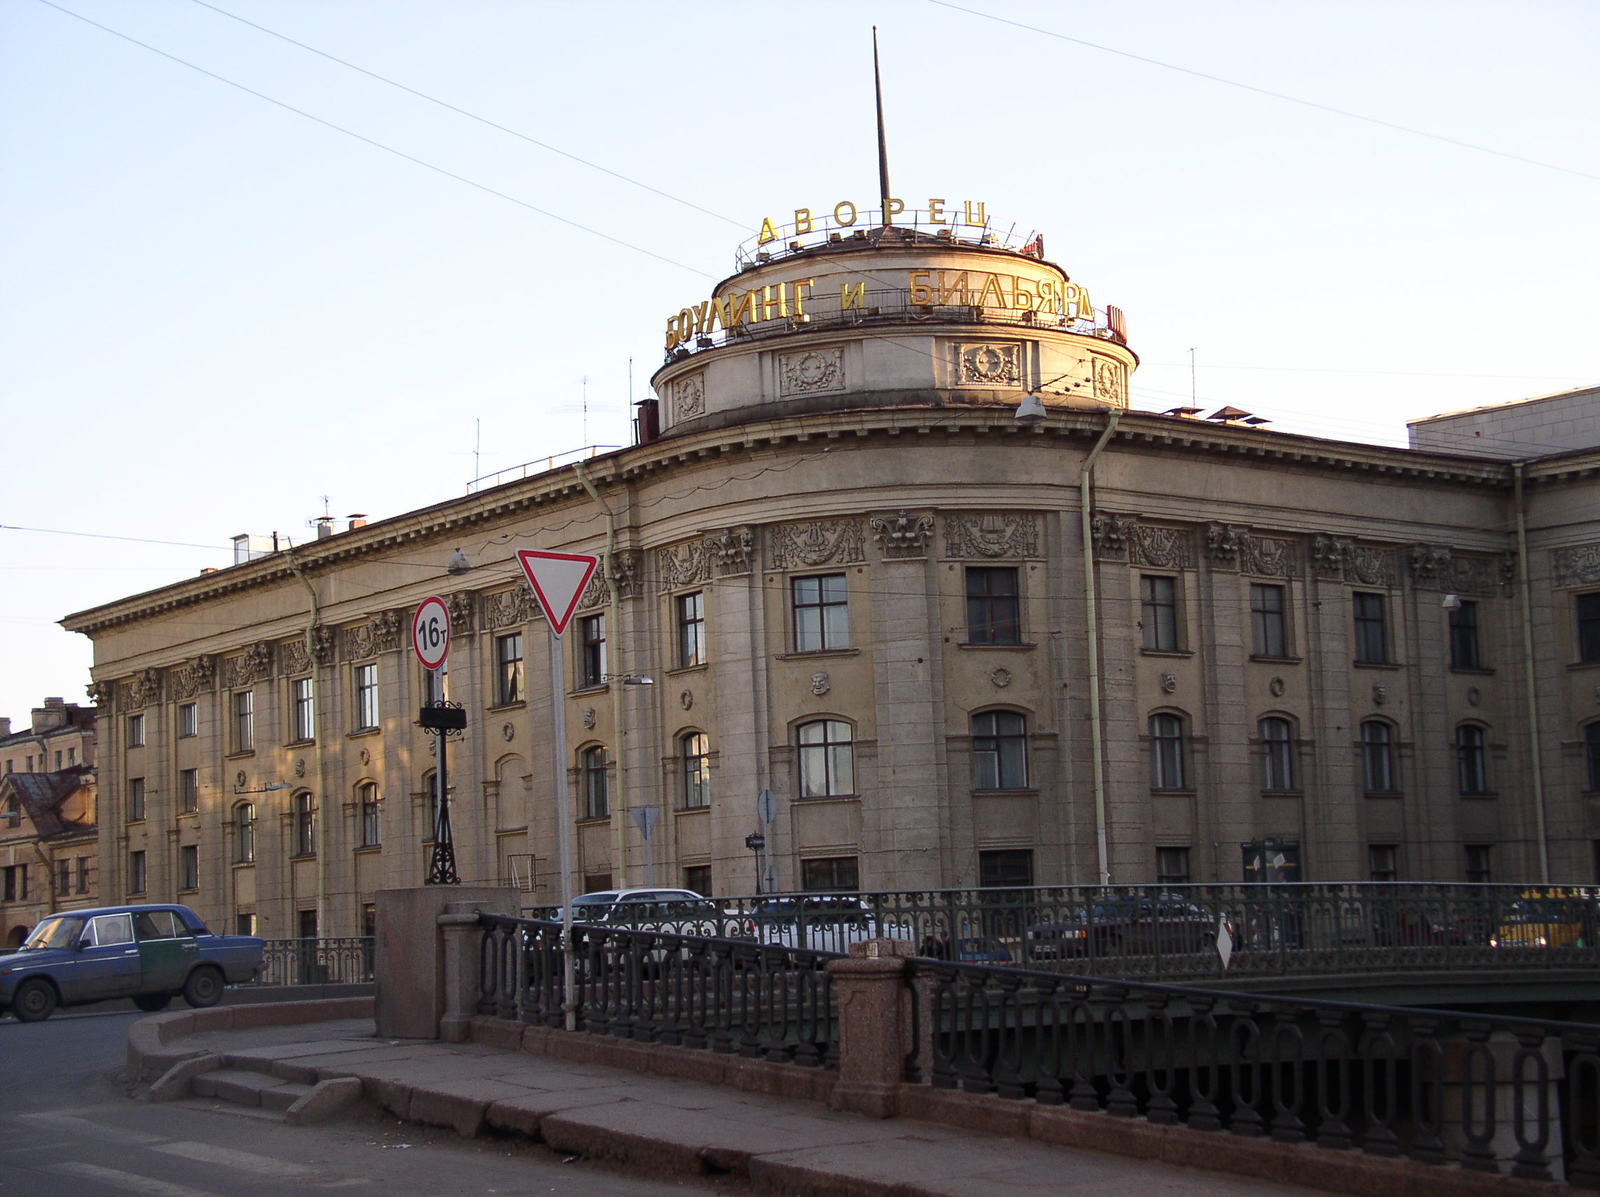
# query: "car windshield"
55,933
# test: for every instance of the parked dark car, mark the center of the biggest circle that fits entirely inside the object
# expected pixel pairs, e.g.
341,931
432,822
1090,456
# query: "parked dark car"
1132,926
147,953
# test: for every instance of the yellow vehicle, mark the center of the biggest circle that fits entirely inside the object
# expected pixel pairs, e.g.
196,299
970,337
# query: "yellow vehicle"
1549,918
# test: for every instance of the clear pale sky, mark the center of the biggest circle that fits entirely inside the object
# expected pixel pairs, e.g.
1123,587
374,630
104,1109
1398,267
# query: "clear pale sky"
215,311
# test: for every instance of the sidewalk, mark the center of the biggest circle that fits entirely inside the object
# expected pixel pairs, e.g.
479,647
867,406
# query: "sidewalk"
780,1146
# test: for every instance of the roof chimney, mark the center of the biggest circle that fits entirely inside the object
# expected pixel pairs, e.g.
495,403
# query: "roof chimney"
5,726
358,520
324,526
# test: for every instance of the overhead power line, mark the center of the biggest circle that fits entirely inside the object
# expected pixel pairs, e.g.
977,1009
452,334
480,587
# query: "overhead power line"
182,544
482,120
1276,95
377,144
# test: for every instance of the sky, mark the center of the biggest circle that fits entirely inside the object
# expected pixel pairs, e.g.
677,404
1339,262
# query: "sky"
242,283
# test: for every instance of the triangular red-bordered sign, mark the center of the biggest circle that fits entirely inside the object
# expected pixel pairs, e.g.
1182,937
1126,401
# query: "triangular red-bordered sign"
558,581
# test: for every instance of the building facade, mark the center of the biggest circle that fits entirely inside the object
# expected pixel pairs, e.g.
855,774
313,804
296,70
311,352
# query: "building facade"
956,647
49,841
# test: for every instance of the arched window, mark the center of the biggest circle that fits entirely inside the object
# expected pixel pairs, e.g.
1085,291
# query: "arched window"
371,814
1377,758
244,826
827,759
1277,754
593,765
1591,752
1168,768
696,752
305,824
999,751
1471,759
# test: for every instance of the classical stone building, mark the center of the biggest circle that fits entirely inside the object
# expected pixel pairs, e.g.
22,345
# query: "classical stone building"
957,647
49,843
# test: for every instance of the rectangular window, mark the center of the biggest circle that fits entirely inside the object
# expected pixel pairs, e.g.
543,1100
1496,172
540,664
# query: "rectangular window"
72,759
508,669
1172,866
691,629
305,825
82,886
696,770
830,874
994,611
369,921
1382,862
244,721
1158,600
302,701
371,828
188,720
698,879
821,613
1372,631
1005,867
244,924
1168,769
136,877
592,663
1267,629
1464,646
188,791
58,760
135,799
1478,863
189,867
1589,627
366,683
433,684
308,924
15,883
135,731
1472,760
1377,758
63,877
596,790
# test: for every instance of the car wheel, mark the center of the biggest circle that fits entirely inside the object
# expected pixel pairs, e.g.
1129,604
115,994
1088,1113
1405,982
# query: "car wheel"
203,988
151,1002
35,1001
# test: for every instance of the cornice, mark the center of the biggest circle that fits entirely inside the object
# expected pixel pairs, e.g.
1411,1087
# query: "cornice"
1135,431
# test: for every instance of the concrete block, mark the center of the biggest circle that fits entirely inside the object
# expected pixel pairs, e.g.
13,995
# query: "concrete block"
175,1081
524,1114
409,963
536,1039
168,1027
392,1095
437,1107
231,1084
496,1032
324,1101
282,1095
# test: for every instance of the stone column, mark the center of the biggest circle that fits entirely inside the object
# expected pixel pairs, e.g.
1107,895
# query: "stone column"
874,1026
412,974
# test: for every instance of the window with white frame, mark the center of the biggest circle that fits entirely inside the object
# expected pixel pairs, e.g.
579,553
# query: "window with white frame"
999,751
696,750
188,720
244,721
135,731
302,702
691,611
1169,768
244,833
827,758
821,613
508,669
595,773
371,814
366,695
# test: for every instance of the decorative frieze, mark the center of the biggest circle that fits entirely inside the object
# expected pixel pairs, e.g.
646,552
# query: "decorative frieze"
1428,563
1578,565
1160,548
689,397
731,551
293,658
687,564
1436,567
510,608
380,634
1110,532
1338,559
903,534
1108,382
991,534
1270,557
991,364
254,666
324,643
141,691
814,372
190,679
1224,542
818,542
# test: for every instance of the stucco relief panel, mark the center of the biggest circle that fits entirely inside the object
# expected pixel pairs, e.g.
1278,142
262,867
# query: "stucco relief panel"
1576,566
190,679
680,565
991,534
817,371
689,397
380,634
989,364
904,534
818,542
510,608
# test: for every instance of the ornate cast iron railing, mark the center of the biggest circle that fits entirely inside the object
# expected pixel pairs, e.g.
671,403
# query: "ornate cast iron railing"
1170,932
761,1002
1491,1094
342,961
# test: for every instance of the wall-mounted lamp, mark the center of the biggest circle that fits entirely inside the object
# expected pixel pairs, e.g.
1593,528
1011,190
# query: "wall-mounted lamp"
1030,412
458,564
1452,602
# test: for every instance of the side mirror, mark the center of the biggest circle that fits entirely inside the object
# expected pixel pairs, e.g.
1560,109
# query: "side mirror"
81,944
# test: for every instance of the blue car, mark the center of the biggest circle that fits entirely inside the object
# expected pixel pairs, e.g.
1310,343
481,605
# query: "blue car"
147,953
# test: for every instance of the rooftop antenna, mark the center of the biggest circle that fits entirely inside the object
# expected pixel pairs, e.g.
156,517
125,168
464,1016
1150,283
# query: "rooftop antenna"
1193,386
585,383
883,147
477,448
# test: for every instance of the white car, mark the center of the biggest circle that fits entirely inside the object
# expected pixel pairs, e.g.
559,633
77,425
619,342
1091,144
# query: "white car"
673,911
816,922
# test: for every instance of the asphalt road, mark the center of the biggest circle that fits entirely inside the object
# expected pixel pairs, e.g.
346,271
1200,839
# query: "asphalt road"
69,1129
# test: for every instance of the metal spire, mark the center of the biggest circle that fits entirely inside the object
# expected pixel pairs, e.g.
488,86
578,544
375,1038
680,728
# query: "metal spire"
883,148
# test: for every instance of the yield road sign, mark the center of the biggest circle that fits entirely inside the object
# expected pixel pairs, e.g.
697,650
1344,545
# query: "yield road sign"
558,581
430,632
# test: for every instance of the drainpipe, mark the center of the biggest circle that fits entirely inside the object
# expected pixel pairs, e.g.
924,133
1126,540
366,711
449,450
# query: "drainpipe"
317,713
49,874
1529,676
1096,717
614,619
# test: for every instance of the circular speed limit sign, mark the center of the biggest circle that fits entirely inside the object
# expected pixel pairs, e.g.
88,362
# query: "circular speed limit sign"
430,632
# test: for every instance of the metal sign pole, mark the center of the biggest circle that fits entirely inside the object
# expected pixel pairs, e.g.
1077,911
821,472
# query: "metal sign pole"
558,757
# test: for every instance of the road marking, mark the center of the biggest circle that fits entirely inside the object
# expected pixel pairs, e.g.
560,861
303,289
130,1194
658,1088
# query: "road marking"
131,1181
243,1161
91,1131
40,1146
